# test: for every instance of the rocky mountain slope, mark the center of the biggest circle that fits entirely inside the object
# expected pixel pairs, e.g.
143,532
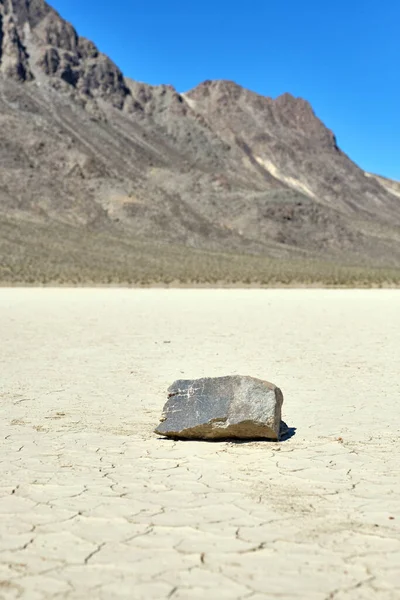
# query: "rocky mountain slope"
218,168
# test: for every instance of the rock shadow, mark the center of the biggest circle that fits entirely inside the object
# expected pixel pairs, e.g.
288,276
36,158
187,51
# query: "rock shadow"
286,433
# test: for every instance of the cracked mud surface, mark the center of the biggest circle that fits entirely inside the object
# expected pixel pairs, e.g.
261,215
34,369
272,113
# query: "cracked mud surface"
94,505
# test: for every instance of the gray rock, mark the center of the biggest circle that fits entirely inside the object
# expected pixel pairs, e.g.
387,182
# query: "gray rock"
222,407
13,55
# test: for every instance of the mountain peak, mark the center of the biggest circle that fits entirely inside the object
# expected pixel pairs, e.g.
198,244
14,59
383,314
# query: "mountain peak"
26,11
36,42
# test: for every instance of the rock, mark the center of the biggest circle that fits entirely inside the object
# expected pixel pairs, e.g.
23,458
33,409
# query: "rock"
223,407
14,61
36,41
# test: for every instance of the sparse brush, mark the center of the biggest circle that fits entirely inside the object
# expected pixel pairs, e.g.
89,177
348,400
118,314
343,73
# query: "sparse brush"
32,254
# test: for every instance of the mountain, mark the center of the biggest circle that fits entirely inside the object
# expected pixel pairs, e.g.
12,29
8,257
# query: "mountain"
98,160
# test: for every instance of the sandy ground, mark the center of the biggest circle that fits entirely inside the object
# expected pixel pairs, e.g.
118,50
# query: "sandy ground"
94,505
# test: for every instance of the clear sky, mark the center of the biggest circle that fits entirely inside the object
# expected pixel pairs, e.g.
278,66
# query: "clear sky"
341,55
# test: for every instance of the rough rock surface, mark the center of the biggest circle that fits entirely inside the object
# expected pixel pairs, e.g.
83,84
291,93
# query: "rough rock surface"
36,42
221,408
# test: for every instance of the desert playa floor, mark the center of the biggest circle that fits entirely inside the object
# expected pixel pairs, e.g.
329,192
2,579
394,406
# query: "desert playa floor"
94,505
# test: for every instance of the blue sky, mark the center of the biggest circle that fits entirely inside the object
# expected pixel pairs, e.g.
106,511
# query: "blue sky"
342,55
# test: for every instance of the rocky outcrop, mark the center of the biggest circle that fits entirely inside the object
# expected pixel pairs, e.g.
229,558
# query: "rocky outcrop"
14,62
58,51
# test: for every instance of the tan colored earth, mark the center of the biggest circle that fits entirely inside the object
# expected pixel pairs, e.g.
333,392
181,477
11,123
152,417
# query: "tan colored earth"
94,505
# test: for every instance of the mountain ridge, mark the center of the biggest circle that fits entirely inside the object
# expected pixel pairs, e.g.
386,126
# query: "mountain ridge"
217,168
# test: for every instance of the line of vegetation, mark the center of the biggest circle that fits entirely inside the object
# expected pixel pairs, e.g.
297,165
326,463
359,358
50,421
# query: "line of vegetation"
37,254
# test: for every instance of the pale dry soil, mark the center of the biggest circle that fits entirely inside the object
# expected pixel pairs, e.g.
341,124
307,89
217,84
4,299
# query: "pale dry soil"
94,505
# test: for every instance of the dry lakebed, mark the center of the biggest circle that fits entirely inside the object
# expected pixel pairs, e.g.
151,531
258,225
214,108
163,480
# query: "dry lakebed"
93,504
